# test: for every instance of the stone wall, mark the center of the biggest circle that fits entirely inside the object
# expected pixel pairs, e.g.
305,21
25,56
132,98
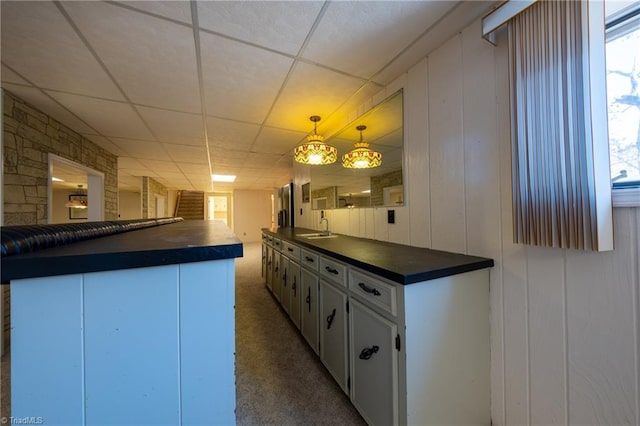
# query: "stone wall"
28,137
378,183
331,193
151,189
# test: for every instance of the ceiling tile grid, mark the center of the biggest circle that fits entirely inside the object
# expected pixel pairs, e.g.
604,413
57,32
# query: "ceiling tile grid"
144,82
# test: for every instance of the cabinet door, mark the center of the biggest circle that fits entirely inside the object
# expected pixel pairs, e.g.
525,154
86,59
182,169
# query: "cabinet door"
269,276
284,282
309,314
295,291
333,332
264,262
275,280
374,365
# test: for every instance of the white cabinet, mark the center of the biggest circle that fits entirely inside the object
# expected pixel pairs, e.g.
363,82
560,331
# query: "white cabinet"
269,270
374,365
334,332
309,314
414,354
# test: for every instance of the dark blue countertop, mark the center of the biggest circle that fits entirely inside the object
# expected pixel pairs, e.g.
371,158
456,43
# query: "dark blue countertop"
174,243
396,262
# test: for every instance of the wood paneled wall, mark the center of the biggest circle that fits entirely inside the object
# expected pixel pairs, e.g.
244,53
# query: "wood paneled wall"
565,324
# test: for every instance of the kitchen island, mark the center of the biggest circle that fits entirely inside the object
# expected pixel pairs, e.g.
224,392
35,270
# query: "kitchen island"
131,328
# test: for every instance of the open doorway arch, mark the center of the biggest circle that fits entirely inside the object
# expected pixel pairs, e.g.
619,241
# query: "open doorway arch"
73,180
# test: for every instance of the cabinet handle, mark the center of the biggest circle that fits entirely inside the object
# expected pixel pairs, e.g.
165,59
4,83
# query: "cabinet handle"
293,286
331,270
373,291
368,352
290,249
284,278
308,300
308,259
330,318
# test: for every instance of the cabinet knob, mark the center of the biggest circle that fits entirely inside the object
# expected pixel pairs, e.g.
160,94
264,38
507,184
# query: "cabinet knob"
308,259
368,352
368,289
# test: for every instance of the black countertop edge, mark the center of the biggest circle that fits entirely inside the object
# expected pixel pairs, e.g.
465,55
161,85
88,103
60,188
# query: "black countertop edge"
460,263
174,243
20,268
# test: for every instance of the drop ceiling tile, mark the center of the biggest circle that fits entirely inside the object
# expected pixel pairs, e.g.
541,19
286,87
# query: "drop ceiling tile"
142,149
106,144
109,118
9,76
435,36
39,44
278,25
187,154
377,32
178,128
152,59
240,81
44,103
129,163
227,157
190,169
278,141
229,134
161,167
261,160
178,10
301,97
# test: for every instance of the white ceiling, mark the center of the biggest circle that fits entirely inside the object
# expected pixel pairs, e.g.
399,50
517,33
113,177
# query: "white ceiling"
179,90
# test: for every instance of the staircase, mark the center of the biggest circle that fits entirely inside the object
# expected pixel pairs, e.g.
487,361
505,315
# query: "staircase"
190,205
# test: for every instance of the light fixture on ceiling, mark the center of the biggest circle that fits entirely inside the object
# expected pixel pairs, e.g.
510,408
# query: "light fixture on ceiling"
77,200
223,178
361,157
55,179
315,151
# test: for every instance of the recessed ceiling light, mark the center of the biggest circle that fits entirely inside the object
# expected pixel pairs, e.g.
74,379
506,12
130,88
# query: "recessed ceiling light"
223,178
55,179
367,191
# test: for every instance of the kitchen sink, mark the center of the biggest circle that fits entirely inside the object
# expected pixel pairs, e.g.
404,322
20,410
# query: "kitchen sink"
317,236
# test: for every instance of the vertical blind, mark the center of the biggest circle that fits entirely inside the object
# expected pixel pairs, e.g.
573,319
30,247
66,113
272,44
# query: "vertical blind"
560,171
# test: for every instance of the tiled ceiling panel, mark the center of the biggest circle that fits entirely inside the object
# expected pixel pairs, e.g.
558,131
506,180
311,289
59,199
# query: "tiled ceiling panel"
352,51
311,90
142,149
177,10
228,134
278,25
162,82
110,118
178,128
278,141
240,81
153,60
47,105
39,44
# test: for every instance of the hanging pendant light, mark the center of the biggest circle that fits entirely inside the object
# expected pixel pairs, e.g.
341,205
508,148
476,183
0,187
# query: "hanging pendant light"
77,200
315,151
361,157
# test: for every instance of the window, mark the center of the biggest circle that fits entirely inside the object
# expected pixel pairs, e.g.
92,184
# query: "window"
623,95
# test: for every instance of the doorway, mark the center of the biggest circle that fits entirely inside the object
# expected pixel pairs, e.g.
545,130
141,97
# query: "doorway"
219,208
75,192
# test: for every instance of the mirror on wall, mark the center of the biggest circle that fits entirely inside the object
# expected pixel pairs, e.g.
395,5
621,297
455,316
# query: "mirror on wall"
333,186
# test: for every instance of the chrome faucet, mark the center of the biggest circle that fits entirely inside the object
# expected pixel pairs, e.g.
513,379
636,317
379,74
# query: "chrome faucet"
326,229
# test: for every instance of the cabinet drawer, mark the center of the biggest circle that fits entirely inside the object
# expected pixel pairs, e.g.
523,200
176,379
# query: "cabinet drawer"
309,259
265,238
277,243
333,270
373,290
291,251
270,239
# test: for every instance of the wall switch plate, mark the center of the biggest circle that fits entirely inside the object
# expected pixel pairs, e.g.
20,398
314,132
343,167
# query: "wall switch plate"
391,216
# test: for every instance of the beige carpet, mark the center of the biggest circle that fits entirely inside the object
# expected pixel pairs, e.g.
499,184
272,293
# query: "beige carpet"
279,379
